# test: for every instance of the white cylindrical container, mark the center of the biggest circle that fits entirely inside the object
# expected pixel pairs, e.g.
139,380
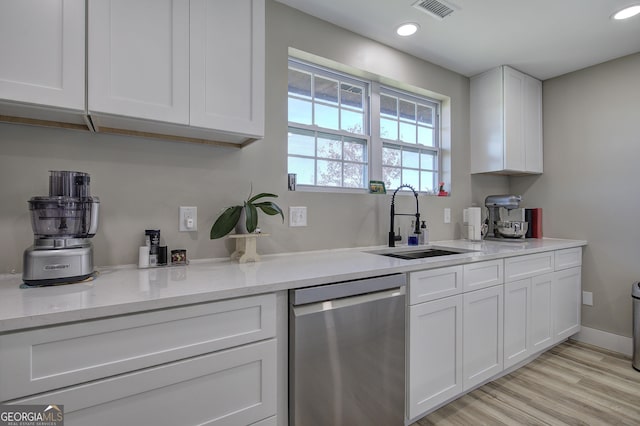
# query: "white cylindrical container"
143,257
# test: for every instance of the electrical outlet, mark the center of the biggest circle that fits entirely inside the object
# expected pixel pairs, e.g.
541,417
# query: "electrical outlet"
587,298
447,215
297,216
188,219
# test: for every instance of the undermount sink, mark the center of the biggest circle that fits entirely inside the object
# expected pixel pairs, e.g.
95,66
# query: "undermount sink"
421,253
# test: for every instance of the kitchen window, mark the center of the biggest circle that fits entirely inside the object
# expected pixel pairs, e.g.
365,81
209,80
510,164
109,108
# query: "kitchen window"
330,143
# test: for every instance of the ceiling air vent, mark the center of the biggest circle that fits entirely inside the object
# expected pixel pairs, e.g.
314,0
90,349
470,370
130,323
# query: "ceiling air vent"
436,8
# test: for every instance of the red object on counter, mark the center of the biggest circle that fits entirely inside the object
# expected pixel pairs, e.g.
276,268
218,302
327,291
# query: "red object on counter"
536,223
441,191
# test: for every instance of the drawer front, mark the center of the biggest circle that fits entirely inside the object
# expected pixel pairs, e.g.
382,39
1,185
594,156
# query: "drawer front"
521,267
49,358
568,258
483,274
434,284
232,387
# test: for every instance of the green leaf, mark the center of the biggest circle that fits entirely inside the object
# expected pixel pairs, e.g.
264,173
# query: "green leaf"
270,208
252,217
225,223
261,195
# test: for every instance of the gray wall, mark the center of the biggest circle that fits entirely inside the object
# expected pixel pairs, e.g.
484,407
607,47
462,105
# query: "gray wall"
142,182
589,189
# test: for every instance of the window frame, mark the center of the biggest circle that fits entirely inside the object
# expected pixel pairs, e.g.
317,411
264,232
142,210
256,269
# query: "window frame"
371,124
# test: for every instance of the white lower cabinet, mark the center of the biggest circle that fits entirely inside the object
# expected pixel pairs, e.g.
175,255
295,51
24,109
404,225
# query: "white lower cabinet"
541,312
232,387
211,363
435,353
482,325
566,296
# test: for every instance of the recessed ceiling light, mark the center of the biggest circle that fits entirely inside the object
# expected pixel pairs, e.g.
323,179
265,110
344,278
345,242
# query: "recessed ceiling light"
407,29
627,12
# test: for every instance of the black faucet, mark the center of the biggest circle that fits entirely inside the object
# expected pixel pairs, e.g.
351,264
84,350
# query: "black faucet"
392,236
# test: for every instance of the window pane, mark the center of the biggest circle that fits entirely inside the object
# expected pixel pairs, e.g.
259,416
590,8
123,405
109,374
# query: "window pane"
389,106
427,161
351,96
302,143
326,90
329,173
407,110
329,147
390,156
352,121
411,177
425,136
391,177
355,151
303,168
354,175
326,116
300,83
389,129
427,181
410,159
425,114
407,132
299,111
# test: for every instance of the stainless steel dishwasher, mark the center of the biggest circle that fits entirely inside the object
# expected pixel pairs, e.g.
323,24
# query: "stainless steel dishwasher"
346,353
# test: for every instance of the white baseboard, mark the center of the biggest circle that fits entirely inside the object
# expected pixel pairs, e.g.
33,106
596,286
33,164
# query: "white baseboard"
603,339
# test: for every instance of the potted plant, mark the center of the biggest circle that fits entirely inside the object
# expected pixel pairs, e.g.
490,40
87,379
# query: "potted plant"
244,217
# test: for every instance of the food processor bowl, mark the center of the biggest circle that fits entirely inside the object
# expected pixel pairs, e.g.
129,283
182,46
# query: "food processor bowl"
60,217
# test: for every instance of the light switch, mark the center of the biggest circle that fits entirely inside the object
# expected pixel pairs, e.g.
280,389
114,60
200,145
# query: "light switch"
297,216
587,298
447,215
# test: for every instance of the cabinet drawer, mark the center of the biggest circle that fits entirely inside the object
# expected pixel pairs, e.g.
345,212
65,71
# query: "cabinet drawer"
482,274
232,387
568,258
48,358
434,284
520,267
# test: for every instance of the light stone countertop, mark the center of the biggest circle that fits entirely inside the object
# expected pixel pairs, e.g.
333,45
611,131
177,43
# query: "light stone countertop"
126,289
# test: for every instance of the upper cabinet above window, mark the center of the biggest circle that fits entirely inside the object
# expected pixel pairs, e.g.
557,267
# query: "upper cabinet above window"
506,122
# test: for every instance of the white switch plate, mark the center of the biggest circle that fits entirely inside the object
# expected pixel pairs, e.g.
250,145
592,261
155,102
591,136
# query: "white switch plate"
188,219
297,216
447,215
587,298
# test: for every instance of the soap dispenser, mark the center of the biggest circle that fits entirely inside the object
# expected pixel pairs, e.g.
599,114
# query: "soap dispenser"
424,234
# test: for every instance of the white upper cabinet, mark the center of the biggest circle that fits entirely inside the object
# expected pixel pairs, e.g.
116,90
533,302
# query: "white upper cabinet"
42,58
189,69
506,122
227,65
139,59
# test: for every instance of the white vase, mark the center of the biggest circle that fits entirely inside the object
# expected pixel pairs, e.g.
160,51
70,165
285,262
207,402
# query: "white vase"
241,226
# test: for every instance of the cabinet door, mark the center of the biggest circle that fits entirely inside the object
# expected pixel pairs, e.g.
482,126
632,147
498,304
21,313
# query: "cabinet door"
567,287
227,65
514,121
541,315
139,59
532,123
482,314
435,353
517,327
231,387
42,52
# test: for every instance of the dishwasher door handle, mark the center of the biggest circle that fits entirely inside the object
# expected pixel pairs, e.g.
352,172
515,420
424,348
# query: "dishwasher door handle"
328,305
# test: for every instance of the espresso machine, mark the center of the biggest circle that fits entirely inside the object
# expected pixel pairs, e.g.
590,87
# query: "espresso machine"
505,219
63,223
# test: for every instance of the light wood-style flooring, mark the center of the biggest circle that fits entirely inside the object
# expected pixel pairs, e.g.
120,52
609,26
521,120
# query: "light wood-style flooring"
571,384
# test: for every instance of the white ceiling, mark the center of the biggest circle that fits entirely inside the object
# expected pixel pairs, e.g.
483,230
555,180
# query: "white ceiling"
543,38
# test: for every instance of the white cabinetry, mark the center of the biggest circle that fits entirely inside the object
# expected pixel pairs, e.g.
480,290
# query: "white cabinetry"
567,294
435,353
189,69
506,122
43,59
214,363
482,312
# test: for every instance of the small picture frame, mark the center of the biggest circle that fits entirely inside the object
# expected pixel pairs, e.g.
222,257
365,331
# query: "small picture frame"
377,187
